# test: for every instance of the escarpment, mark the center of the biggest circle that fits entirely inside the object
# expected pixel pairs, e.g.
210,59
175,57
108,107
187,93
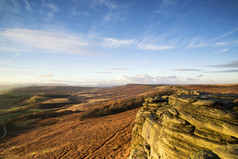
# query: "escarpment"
186,124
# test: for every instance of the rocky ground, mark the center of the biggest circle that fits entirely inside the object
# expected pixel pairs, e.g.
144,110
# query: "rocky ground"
187,123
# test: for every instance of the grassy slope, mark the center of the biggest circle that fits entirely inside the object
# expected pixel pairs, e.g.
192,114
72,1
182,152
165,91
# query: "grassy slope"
24,104
132,101
11,100
15,103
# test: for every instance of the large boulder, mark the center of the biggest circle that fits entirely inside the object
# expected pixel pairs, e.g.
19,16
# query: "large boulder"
186,124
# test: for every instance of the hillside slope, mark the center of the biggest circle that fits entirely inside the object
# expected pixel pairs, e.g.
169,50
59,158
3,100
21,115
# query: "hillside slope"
105,137
65,136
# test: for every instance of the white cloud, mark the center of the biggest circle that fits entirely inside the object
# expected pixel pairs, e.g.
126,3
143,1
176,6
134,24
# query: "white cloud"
112,10
141,79
166,6
115,43
114,15
186,69
169,2
47,75
119,69
110,16
198,42
19,69
155,43
195,44
224,50
227,34
233,64
138,79
28,6
154,47
147,79
103,72
220,43
3,69
108,3
40,40
48,10
224,71
17,54
53,7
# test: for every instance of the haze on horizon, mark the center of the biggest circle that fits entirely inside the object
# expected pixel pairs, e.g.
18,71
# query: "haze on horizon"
113,42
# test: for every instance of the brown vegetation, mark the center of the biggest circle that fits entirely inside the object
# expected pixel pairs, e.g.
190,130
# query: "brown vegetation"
123,104
225,88
113,107
106,137
58,133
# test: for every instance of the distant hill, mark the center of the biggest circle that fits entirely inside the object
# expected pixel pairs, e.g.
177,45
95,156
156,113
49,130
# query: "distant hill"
225,88
52,89
7,87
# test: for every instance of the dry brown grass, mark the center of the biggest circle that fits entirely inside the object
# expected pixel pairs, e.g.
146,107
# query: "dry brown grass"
105,137
121,105
65,136
113,107
57,100
221,88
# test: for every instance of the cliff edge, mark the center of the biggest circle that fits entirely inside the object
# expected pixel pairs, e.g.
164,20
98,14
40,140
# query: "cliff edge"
186,124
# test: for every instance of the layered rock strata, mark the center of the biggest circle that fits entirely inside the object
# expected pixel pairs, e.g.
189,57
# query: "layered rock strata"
186,124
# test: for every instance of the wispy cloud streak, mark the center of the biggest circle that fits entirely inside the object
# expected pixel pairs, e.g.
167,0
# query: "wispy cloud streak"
104,72
119,69
19,70
230,64
47,75
53,7
166,6
28,6
227,34
108,3
30,40
154,47
224,71
195,42
186,69
115,43
17,54
220,43
155,43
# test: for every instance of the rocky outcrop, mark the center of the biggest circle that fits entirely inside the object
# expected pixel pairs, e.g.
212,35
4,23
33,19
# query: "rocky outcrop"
186,124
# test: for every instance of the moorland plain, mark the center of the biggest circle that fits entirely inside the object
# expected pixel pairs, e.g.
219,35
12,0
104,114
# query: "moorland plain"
75,122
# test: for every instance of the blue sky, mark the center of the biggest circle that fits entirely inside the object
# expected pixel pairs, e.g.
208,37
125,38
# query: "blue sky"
107,42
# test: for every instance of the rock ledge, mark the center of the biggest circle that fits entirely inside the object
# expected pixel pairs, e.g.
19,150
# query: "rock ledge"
186,124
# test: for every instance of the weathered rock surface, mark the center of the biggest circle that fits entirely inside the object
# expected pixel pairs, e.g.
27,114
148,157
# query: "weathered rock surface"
186,124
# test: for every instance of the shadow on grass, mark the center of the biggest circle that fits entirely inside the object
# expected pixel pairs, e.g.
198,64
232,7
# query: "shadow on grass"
29,122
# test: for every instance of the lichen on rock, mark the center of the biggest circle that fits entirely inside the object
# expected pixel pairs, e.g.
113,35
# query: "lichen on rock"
186,124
